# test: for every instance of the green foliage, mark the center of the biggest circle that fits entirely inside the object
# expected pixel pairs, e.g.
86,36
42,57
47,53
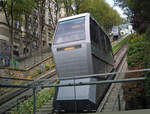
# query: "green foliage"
47,67
27,106
17,8
14,64
14,10
119,44
147,61
67,5
136,49
139,12
102,12
52,65
39,71
139,55
34,74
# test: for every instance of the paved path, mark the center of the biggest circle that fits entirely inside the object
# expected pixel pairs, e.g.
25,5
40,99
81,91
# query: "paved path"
112,99
46,108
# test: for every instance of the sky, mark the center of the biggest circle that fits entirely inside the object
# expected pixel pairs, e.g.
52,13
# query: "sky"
119,10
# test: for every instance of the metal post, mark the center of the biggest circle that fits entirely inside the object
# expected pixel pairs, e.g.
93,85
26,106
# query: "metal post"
24,63
34,100
34,59
17,105
119,106
75,96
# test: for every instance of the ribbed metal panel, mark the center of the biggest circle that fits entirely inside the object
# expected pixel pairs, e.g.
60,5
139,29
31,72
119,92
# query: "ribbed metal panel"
72,62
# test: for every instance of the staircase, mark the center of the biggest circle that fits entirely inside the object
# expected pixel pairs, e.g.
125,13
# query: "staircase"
47,108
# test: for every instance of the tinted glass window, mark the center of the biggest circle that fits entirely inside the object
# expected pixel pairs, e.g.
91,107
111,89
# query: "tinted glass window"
97,36
93,33
70,30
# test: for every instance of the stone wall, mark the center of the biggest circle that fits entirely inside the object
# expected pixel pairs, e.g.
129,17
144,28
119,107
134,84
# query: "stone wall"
134,93
20,73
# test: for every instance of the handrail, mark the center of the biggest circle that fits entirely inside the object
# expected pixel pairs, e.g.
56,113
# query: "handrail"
95,75
75,84
2,77
93,83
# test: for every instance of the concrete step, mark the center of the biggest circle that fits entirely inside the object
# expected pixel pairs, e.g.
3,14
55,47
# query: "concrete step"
43,112
50,102
48,110
47,106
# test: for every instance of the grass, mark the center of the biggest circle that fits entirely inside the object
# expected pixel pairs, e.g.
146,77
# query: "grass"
42,97
119,44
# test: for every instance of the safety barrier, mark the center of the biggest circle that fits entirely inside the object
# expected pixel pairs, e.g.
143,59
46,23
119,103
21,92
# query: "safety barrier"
36,84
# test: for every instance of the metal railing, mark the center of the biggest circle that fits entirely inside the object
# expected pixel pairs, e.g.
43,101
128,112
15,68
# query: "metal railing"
35,84
117,99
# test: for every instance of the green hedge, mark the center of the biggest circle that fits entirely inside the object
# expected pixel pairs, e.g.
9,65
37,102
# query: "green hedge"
139,55
27,106
136,49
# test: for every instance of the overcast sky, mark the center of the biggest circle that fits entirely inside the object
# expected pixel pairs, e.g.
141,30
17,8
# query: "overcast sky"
119,10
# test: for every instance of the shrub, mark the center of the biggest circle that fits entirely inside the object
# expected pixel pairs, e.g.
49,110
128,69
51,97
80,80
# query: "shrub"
139,55
47,67
34,74
136,49
52,65
27,106
119,44
147,62
39,71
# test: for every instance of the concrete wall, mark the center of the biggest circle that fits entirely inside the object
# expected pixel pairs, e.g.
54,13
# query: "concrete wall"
19,73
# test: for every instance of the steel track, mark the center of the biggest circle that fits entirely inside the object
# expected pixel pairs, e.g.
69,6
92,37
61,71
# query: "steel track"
118,68
118,63
22,91
8,99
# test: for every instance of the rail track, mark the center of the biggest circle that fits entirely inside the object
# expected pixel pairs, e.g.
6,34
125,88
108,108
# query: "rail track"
119,66
119,56
10,100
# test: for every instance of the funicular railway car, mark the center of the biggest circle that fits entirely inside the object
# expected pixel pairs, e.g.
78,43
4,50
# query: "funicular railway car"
80,47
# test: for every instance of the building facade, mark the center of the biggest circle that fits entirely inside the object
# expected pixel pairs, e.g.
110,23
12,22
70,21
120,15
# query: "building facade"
26,39
4,41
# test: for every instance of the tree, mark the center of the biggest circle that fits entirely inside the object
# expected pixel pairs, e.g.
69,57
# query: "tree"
13,10
102,12
77,5
54,9
71,6
139,12
68,6
40,5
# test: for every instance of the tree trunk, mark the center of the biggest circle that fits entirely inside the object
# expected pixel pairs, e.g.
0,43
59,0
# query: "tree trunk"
11,43
11,33
40,23
31,48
